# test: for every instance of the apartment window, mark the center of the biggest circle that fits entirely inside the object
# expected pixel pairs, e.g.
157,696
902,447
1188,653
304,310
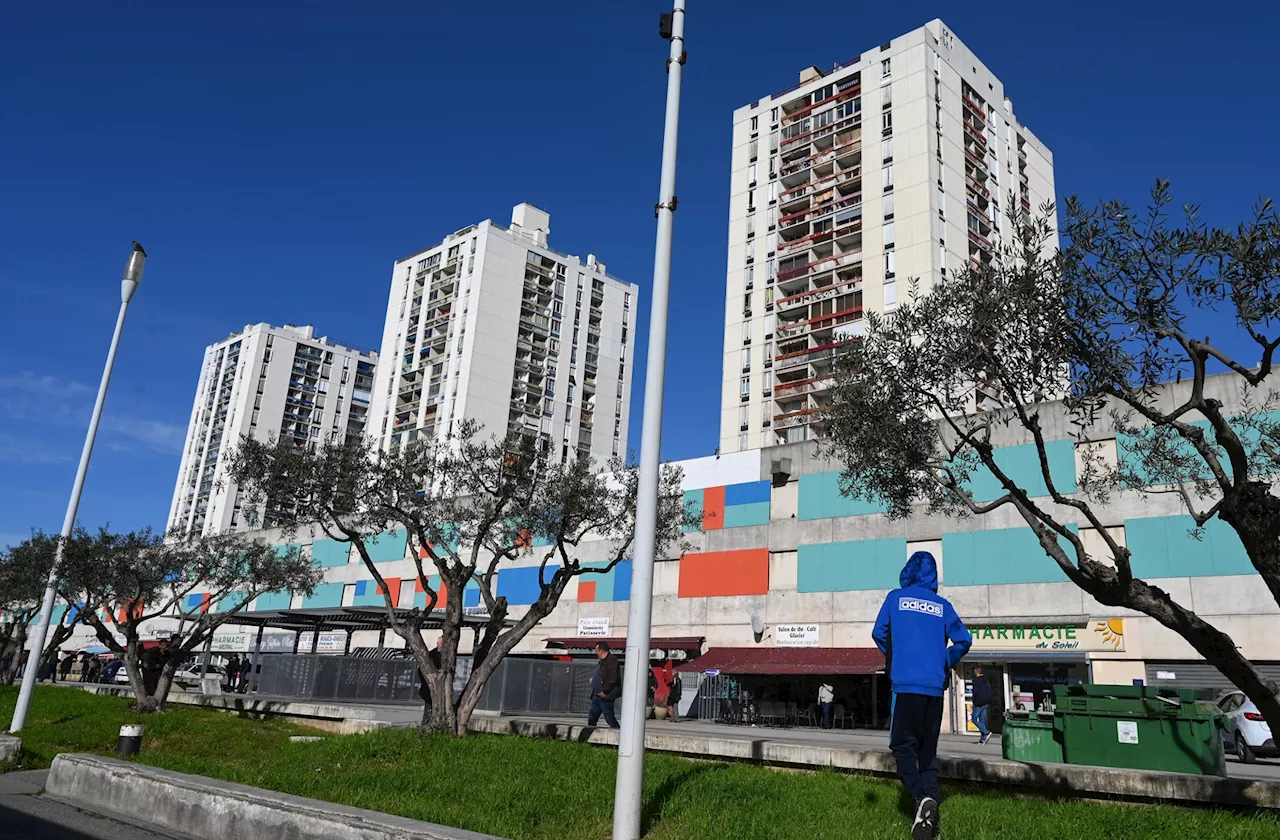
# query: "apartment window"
626,300
942,256
942,202
773,115
890,264
558,308
755,123
746,358
886,68
745,389
887,149
746,332
750,276
772,269
555,327
888,234
886,98
754,149
937,63
746,306
887,206
886,177
773,192
751,225
890,295
751,175
751,200
886,123
742,417
768,325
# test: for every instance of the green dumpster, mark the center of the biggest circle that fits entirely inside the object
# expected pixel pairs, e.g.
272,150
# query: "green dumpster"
1140,727
1030,737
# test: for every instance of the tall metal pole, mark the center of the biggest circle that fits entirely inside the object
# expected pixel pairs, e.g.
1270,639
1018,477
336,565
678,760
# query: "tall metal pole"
628,794
128,285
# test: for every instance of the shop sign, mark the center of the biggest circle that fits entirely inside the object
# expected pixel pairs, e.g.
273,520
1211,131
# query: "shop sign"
329,643
796,635
1100,636
594,628
230,642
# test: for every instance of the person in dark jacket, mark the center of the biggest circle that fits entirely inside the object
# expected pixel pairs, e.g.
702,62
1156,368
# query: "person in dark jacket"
232,673
981,702
154,660
912,630
674,693
68,662
246,671
606,687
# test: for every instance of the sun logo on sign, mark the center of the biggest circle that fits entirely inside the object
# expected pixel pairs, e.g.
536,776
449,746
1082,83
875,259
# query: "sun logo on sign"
1112,630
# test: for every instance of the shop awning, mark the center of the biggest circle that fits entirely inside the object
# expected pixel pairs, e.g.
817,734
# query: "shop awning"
581,643
782,660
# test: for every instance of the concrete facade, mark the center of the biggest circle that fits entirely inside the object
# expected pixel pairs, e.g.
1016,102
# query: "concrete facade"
266,382
903,164
495,326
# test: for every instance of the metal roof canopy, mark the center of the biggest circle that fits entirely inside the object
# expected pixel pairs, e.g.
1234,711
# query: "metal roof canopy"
787,661
345,618
620,642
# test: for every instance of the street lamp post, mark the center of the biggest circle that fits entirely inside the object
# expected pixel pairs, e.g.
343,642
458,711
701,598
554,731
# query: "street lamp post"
628,793
128,285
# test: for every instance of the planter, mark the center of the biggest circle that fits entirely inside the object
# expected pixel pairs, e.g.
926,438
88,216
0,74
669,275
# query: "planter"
660,712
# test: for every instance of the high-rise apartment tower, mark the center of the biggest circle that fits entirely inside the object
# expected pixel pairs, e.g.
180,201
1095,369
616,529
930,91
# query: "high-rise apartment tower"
281,383
903,164
495,326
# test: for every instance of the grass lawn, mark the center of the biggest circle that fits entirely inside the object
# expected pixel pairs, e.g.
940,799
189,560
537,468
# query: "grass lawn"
530,790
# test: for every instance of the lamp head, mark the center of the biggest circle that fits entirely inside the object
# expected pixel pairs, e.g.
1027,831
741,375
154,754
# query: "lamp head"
132,273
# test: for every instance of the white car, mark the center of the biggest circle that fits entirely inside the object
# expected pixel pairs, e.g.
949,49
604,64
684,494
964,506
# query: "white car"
1248,733
185,677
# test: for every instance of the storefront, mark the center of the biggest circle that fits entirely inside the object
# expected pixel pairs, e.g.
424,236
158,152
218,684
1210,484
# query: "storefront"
1023,659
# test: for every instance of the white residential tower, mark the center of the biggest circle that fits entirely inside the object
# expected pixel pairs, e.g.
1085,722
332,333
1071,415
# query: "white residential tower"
495,326
266,382
904,163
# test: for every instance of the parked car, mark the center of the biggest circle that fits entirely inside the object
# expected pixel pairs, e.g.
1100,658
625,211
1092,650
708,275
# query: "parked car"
1248,733
187,676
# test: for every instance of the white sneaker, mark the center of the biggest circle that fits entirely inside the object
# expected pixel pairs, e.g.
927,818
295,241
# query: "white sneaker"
926,820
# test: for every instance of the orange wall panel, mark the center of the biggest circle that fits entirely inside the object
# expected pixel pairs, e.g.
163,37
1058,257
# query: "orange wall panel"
713,508
725,573
586,592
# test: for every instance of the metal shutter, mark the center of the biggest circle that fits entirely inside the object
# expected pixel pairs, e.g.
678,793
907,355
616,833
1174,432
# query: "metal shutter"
1187,674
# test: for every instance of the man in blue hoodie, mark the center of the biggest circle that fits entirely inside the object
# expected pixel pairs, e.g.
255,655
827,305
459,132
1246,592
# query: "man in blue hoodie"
912,632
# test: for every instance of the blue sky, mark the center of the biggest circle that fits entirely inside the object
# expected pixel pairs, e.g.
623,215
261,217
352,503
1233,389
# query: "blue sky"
276,158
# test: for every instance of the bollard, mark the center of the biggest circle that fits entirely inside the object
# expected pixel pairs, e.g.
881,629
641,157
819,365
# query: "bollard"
130,739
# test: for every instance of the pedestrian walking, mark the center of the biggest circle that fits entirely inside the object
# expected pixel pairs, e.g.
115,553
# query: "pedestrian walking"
826,699
912,631
154,660
674,694
981,702
232,672
245,672
5,662
94,670
605,687
68,661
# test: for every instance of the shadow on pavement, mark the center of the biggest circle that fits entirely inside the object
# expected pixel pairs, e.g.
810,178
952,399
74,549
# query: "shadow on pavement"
16,825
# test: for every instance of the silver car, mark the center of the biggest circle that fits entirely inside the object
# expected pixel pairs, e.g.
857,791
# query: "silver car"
1248,733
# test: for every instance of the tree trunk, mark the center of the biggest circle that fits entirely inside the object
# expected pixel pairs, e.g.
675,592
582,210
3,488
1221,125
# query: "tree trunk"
1254,514
133,667
1216,647
19,645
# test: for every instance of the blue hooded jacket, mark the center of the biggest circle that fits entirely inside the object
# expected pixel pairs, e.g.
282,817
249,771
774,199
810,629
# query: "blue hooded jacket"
913,628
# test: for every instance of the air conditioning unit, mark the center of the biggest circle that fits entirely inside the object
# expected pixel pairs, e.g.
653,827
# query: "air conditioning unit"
781,471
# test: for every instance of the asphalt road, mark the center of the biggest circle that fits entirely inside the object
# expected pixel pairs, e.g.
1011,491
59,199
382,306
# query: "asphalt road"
26,816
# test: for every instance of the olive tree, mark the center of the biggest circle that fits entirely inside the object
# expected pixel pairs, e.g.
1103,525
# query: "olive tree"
145,576
1115,329
470,506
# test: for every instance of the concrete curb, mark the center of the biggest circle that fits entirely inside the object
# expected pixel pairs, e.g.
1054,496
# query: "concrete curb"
10,748
1060,779
207,809
330,718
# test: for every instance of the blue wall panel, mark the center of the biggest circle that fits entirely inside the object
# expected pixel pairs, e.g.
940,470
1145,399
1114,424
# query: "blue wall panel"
1163,546
520,585
748,493
845,566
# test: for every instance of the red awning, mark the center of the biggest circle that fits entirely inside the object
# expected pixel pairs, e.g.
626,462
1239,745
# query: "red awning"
776,660
689,643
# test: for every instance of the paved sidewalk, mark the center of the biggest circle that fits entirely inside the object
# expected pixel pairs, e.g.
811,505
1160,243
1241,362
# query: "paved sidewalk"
24,815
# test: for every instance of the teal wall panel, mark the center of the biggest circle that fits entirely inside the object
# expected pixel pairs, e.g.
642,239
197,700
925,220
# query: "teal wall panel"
693,500
820,498
755,513
279,600
327,553
1162,546
1022,464
845,566
326,595
1004,555
390,546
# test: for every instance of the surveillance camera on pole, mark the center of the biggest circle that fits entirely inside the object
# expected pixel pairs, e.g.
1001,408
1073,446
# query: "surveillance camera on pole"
628,794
